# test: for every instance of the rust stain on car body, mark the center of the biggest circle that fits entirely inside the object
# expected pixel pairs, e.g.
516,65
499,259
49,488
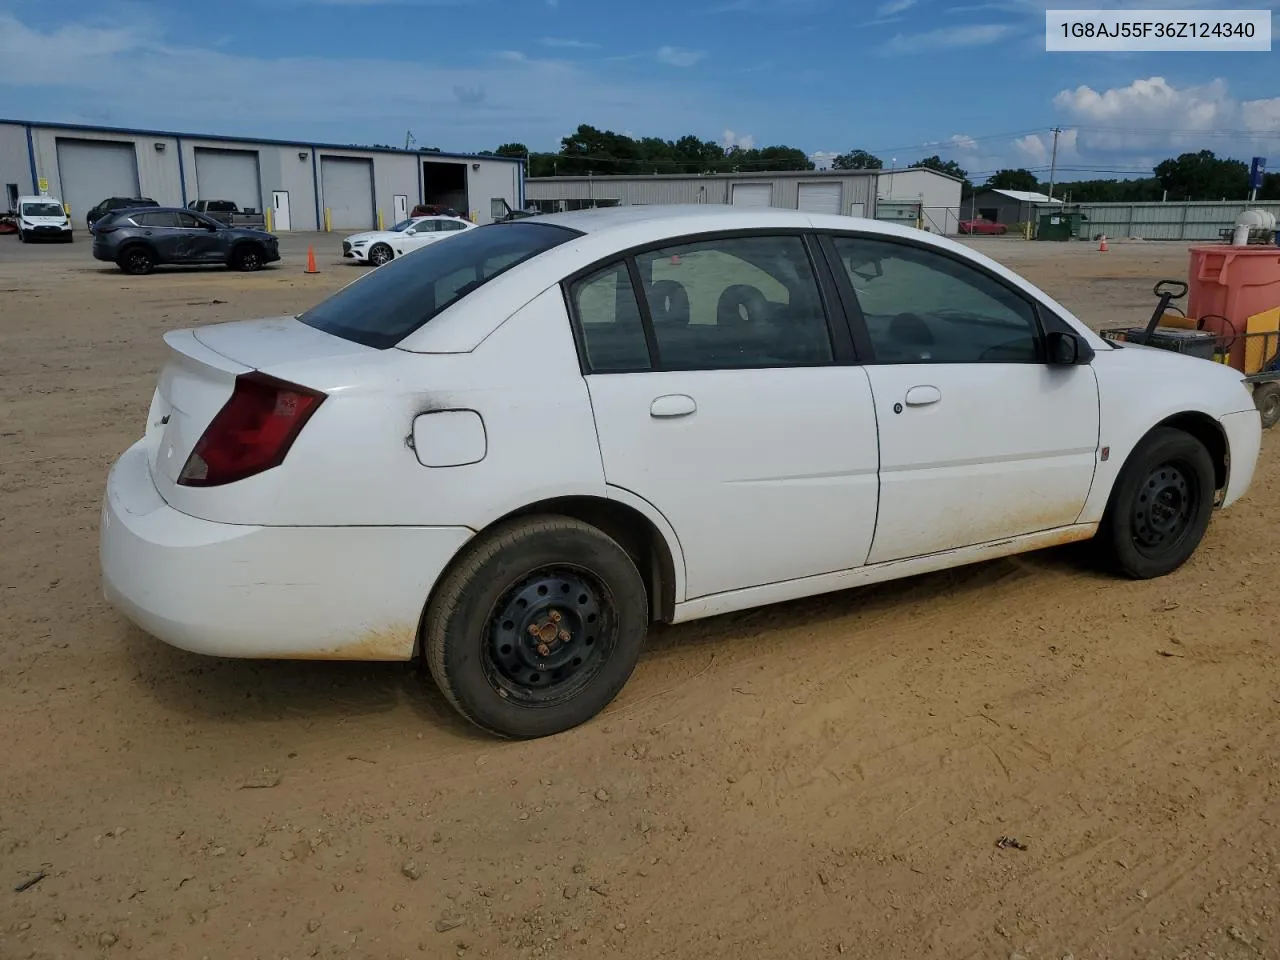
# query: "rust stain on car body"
394,642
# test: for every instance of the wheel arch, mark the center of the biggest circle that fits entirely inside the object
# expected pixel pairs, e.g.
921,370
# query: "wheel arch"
1209,432
660,564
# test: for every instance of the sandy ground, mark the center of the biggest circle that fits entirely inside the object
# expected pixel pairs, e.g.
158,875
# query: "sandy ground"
828,777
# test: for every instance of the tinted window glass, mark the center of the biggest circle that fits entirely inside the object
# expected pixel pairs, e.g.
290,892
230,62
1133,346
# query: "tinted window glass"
159,218
189,221
452,225
385,306
735,302
923,307
609,317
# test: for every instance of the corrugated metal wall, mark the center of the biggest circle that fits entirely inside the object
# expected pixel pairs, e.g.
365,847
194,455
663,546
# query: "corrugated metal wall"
14,164
1165,221
666,190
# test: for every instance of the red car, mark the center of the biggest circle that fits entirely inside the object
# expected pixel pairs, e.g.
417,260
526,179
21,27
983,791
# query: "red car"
980,225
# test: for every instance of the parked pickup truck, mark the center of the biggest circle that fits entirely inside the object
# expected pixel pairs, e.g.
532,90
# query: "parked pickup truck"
225,211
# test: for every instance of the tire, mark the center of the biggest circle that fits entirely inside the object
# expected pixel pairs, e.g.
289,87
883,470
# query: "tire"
136,260
22,237
379,254
1171,471
248,258
1266,397
479,639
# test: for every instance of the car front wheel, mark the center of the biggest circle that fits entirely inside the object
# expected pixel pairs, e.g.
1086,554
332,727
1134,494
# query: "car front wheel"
248,258
1160,506
537,627
380,254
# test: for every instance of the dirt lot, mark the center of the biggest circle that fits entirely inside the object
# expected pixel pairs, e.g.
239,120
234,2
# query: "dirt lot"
822,778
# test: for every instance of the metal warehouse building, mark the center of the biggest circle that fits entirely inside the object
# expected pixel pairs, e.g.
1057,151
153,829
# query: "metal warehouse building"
301,186
915,195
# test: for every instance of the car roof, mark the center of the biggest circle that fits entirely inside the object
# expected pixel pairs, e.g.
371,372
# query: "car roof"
38,199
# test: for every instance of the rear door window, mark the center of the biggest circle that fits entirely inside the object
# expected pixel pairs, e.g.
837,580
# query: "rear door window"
383,307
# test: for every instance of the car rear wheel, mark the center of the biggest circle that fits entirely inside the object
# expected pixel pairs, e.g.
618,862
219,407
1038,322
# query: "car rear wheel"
137,261
1160,506
1266,397
537,627
380,254
248,258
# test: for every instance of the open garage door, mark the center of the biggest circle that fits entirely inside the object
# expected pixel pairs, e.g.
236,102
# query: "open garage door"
819,198
346,184
89,171
752,195
229,175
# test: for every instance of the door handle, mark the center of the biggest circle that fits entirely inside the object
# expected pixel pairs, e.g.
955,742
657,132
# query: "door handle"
922,396
672,405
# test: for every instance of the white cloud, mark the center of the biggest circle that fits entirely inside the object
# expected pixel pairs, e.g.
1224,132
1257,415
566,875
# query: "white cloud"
892,8
975,35
679,56
567,43
729,140
99,70
1036,149
1151,112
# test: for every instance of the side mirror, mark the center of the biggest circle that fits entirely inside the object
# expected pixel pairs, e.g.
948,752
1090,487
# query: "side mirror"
1066,349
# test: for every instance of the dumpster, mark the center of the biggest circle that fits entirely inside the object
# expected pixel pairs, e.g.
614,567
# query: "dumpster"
1054,226
1229,286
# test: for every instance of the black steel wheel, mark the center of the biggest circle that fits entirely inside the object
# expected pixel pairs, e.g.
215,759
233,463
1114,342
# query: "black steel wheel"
379,254
137,261
536,627
1160,506
249,258
1266,397
551,633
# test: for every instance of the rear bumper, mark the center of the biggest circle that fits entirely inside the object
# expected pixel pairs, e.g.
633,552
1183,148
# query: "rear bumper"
332,593
1244,444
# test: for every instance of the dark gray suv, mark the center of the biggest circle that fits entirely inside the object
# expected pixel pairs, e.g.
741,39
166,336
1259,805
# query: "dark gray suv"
138,240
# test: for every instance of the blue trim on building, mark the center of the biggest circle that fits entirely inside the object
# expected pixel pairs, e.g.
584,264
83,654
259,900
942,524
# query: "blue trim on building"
182,173
31,159
524,173
130,131
315,187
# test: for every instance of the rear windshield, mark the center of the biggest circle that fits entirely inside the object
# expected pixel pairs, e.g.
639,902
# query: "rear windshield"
385,306
42,208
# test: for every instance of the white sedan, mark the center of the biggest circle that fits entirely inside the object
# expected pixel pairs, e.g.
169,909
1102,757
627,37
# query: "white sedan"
511,453
379,246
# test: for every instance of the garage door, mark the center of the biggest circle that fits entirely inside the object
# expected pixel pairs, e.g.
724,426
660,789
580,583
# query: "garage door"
752,194
89,171
229,175
347,186
819,197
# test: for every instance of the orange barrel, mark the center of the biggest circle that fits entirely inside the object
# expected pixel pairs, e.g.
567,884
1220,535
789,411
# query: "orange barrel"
1235,282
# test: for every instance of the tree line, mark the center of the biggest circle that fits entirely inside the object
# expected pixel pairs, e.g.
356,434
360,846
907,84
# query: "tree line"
590,151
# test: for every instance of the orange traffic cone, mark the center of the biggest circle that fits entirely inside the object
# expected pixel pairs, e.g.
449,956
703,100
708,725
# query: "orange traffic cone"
311,260
1102,245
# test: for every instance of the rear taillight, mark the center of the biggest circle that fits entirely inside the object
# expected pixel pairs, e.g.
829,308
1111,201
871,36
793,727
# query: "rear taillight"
105,229
252,432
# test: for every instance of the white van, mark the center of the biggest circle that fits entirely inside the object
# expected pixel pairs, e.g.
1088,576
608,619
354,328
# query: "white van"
41,218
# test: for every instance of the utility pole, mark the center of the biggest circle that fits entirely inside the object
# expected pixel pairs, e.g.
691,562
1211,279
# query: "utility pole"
409,139
1053,161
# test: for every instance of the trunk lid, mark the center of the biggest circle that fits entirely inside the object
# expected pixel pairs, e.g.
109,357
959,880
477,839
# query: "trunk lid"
200,373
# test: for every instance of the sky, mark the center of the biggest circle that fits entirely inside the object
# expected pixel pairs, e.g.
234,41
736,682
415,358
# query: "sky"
968,80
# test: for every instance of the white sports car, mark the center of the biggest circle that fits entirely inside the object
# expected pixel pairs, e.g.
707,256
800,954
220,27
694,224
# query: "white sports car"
510,453
379,246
